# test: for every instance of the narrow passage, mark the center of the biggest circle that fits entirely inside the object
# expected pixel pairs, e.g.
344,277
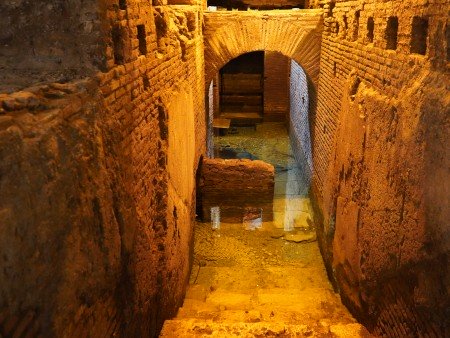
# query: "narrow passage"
263,279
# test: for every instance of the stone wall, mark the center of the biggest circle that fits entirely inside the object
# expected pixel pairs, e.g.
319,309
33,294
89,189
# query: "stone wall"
380,177
96,215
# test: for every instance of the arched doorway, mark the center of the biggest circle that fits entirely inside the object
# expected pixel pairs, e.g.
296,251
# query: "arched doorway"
259,103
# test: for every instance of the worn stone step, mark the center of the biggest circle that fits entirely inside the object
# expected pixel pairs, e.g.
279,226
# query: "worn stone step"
260,314
208,328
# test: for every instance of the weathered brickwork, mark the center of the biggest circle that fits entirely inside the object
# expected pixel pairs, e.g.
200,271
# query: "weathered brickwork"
64,49
276,87
240,188
296,35
293,34
105,243
379,101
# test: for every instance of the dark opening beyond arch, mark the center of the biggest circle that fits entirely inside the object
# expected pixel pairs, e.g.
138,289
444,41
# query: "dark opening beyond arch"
228,100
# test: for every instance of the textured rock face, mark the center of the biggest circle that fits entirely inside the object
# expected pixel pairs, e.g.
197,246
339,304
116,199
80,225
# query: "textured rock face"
59,46
95,215
240,188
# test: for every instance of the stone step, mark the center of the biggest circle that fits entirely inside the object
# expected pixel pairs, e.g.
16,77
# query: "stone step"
260,314
208,328
299,299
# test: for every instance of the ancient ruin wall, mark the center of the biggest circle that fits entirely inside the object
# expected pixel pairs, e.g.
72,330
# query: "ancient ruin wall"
381,167
96,215
221,185
276,87
293,34
50,41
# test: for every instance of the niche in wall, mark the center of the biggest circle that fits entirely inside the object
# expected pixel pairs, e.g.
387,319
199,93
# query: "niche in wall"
146,82
142,39
118,40
419,35
123,4
391,33
356,25
370,29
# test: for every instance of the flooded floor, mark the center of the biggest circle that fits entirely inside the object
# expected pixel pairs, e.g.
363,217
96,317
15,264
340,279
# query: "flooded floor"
265,280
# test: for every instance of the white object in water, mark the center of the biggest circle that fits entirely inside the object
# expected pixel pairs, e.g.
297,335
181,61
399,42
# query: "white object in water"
215,217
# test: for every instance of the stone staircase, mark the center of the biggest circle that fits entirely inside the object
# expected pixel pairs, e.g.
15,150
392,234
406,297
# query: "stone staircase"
262,299
276,312
269,281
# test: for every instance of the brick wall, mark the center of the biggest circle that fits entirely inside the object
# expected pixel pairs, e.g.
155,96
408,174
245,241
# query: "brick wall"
104,244
276,86
222,183
373,152
96,219
294,34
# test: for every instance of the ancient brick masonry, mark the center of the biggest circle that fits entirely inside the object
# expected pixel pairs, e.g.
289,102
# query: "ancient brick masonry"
238,188
96,217
276,87
378,118
379,162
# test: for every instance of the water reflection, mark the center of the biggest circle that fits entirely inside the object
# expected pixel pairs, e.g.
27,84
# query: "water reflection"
215,218
270,142
252,218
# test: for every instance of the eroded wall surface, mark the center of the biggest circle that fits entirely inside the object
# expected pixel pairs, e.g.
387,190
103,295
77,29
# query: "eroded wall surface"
50,41
381,165
97,192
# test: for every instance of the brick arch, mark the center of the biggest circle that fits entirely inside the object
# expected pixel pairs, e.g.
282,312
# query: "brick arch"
295,34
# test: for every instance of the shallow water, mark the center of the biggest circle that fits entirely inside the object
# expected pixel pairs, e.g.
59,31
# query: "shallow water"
270,143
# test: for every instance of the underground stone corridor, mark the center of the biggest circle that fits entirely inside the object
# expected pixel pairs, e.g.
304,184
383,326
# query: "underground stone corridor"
218,168
262,277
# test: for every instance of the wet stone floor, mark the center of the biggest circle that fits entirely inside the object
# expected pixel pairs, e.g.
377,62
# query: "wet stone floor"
268,279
